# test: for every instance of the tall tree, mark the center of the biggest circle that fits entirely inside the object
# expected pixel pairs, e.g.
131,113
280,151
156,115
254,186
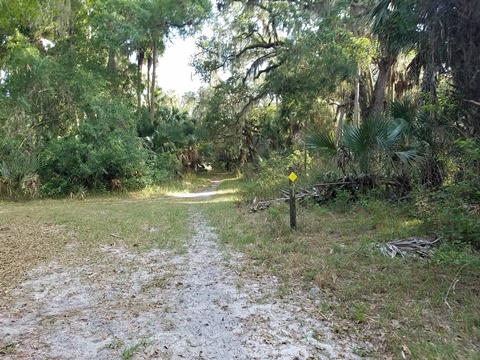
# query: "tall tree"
452,45
395,24
284,50
164,17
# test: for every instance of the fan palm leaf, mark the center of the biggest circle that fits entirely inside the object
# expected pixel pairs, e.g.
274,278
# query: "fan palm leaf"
405,109
377,143
365,141
325,143
407,157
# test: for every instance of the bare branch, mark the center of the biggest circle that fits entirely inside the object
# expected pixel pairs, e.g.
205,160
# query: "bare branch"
472,102
268,69
259,46
256,64
250,102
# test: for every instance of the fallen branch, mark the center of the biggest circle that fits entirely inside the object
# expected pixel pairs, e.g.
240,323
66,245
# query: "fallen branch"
324,192
473,102
263,205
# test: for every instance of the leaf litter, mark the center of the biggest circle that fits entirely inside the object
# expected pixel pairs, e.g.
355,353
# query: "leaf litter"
163,305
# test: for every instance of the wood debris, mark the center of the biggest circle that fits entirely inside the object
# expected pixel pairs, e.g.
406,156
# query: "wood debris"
327,191
411,246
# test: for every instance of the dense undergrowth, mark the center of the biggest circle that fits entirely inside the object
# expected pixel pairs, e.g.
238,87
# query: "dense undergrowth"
450,212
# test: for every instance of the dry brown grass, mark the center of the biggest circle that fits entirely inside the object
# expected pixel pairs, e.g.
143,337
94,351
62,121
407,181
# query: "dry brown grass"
73,231
25,244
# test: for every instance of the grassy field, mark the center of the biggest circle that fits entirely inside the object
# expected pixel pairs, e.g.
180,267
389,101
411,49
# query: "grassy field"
399,308
395,308
38,232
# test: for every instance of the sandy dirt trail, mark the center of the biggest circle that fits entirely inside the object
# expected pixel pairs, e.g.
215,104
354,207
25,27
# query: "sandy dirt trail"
162,305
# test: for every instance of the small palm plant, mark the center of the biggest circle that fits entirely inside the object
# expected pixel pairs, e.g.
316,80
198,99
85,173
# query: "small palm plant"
6,188
376,146
18,176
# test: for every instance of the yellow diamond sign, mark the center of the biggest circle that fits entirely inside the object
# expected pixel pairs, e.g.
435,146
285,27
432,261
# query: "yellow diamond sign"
292,176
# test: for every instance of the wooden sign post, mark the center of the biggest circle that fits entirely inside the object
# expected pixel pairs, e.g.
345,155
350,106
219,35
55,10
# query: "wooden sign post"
293,211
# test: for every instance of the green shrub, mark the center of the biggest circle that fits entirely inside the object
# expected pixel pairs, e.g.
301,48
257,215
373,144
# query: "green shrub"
92,159
453,212
265,179
445,214
159,168
467,179
18,170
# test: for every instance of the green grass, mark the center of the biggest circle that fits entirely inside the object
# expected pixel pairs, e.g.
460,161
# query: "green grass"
190,182
7,348
430,308
128,352
156,282
75,230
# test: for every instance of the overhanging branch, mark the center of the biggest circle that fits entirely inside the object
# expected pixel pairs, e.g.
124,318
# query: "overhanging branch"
259,46
267,70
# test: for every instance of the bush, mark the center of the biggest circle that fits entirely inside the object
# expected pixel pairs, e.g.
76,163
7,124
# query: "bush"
160,168
268,176
467,179
453,212
447,215
265,179
18,171
91,160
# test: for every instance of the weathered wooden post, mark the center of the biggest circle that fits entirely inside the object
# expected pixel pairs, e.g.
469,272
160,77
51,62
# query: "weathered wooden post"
293,211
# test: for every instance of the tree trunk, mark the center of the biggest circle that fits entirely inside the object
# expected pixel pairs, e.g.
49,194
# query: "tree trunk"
149,68
429,84
140,60
390,85
154,75
356,101
376,106
369,77
112,63
365,91
112,69
338,130
341,112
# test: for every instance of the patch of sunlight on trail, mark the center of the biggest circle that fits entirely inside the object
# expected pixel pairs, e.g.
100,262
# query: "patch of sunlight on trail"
209,201
202,194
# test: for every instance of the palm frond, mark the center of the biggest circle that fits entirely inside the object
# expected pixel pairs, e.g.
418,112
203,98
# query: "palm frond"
5,171
366,137
324,143
396,134
408,157
405,109
318,140
379,14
